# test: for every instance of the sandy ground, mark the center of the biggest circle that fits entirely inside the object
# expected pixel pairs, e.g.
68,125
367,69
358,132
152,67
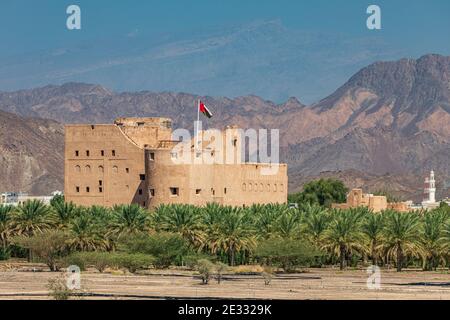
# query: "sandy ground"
19,282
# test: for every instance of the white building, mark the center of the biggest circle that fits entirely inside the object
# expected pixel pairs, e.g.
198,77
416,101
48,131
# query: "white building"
429,201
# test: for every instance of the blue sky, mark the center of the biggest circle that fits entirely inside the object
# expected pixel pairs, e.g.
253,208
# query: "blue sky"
418,25
36,31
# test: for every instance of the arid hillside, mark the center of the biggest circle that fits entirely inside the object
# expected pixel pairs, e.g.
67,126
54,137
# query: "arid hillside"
391,119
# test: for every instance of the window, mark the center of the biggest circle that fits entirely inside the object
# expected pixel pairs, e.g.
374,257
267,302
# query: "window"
92,127
113,153
152,192
152,156
127,170
249,187
234,142
100,169
77,168
87,169
261,187
275,187
244,186
100,182
88,189
174,155
140,124
115,169
281,187
198,191
225,190
143,204
77,153
213,192
142,177
102,153
140,192
100,189
87,153
77,189
174,191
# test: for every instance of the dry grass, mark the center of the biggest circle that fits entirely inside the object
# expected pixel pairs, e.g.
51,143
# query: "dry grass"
18,282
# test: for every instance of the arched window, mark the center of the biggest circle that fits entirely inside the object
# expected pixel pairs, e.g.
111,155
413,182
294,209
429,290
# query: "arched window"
87,169
281,187
261,187
77,168
249,187
244,187
274,187
268,187
115,169
100,169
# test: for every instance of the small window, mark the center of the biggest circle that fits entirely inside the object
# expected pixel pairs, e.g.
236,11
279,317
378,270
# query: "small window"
224,190
87,169
77,189
213,192
234,142
87,153
115,169
174,155
143,204
88,189
100,189
113,153
100,182
102,153
174,191
198,191
140,124
140,192
142,177
100,169
152,156
92,127
127,170
77,168
152,192
244,187
77,153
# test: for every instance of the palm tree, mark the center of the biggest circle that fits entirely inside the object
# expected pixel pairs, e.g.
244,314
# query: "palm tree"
65,211
32,217
232,235
264,219
315,221
84,234
402,236
343,234
445,240
431,240
372,228
5,226
287,224
182,219
129,219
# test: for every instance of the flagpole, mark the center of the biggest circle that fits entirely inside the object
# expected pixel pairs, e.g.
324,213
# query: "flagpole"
198,123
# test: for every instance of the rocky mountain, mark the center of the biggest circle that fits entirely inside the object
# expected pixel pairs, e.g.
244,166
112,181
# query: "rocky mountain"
390,121
31,154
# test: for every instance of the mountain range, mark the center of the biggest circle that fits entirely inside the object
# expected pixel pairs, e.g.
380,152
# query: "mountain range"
384,129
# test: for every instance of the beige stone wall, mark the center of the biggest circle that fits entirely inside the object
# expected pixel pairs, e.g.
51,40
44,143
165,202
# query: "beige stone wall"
199,184
136,167
95,179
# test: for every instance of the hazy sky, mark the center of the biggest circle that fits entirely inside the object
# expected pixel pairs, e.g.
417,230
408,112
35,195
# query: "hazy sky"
416,25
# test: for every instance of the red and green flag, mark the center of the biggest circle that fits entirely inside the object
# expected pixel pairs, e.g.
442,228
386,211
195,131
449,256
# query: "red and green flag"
203,109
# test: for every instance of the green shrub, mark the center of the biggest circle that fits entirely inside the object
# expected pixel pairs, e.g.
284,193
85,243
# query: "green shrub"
75,259
167,248
5,253
133,261
286,253
205,268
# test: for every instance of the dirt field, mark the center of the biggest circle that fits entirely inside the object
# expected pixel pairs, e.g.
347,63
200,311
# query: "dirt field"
20,282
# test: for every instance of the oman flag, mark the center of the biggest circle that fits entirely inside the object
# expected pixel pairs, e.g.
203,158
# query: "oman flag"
203,109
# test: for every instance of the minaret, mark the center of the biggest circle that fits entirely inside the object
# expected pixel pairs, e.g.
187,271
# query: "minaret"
430,188
432,192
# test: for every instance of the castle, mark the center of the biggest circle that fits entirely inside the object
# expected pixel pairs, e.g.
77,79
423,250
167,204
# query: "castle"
135,160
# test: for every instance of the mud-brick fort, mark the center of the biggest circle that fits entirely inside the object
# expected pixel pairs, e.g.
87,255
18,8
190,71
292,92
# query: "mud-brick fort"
133,161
